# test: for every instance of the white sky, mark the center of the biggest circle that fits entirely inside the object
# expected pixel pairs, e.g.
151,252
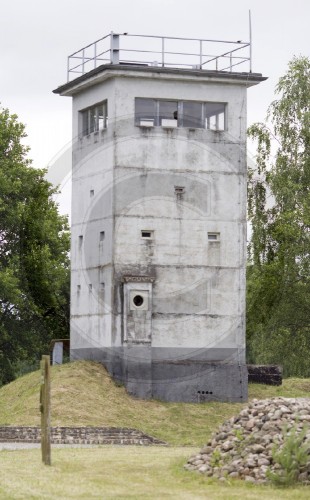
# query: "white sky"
37,36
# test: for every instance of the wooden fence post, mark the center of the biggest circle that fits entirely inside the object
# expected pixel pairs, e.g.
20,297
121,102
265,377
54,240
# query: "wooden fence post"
45,396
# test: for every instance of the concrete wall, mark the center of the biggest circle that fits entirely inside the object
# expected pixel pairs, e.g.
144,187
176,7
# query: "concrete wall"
195,319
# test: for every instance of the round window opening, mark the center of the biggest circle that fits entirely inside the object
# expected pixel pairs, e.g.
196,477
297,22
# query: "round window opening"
138,300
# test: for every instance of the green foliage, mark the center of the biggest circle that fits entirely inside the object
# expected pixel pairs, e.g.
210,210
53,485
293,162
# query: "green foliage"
34,265
292,457
278,277
216,459
239,434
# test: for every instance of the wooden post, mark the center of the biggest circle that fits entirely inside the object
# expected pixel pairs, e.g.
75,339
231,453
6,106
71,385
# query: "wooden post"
45,396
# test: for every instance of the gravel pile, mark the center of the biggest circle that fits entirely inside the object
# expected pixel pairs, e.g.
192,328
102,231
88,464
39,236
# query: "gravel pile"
243,446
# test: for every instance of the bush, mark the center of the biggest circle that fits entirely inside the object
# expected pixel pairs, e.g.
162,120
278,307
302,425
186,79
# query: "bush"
292,457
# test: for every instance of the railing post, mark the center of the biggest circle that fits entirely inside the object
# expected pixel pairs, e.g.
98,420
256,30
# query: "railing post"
83,61
230,61
68,69
163,52
95,55
200,54
114,48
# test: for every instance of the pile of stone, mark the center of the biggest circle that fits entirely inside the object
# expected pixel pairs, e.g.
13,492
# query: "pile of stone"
243,446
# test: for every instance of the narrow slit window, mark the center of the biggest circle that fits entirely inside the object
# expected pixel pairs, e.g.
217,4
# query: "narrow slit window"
80,241
91,193
78,288
102,236
90,287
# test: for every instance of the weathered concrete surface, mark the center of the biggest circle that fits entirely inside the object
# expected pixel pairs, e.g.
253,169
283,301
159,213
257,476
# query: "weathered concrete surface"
186,341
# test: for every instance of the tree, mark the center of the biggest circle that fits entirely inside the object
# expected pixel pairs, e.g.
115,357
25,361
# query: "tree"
278,293
34,263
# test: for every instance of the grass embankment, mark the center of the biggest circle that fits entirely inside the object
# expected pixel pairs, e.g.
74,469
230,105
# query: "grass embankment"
83,394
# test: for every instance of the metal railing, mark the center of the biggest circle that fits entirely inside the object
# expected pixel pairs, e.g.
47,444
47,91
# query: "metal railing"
159,51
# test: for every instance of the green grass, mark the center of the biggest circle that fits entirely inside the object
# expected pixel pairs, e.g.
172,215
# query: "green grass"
120,473
83,394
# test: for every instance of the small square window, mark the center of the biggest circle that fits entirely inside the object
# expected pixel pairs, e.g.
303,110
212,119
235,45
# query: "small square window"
213,236
179,189
146,234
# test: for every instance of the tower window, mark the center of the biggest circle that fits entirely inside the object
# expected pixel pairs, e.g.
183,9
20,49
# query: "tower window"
102,236
168,113
95,118
191,114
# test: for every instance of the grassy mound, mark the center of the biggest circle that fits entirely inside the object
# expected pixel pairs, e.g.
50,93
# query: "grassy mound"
83,394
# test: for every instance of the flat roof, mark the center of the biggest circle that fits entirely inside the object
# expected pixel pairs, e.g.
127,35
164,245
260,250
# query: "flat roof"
106,71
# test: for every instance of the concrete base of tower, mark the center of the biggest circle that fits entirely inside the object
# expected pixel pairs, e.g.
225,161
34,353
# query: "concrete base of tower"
192,376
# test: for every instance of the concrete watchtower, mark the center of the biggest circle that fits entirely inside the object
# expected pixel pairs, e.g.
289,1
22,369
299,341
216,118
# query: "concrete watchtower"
159,214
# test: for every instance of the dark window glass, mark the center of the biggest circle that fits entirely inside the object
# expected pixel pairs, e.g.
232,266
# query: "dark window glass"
145,112
85,122
168,113
192,114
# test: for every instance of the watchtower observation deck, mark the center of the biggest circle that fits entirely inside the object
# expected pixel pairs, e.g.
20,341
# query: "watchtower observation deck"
161,51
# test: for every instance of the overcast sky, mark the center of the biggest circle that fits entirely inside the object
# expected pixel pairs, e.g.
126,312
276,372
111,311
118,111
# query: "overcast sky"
38,35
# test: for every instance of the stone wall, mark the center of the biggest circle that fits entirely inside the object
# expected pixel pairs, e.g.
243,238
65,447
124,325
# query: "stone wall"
79,435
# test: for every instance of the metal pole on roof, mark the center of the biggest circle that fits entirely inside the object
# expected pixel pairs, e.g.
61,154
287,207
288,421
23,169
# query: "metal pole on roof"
162,51
250,35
